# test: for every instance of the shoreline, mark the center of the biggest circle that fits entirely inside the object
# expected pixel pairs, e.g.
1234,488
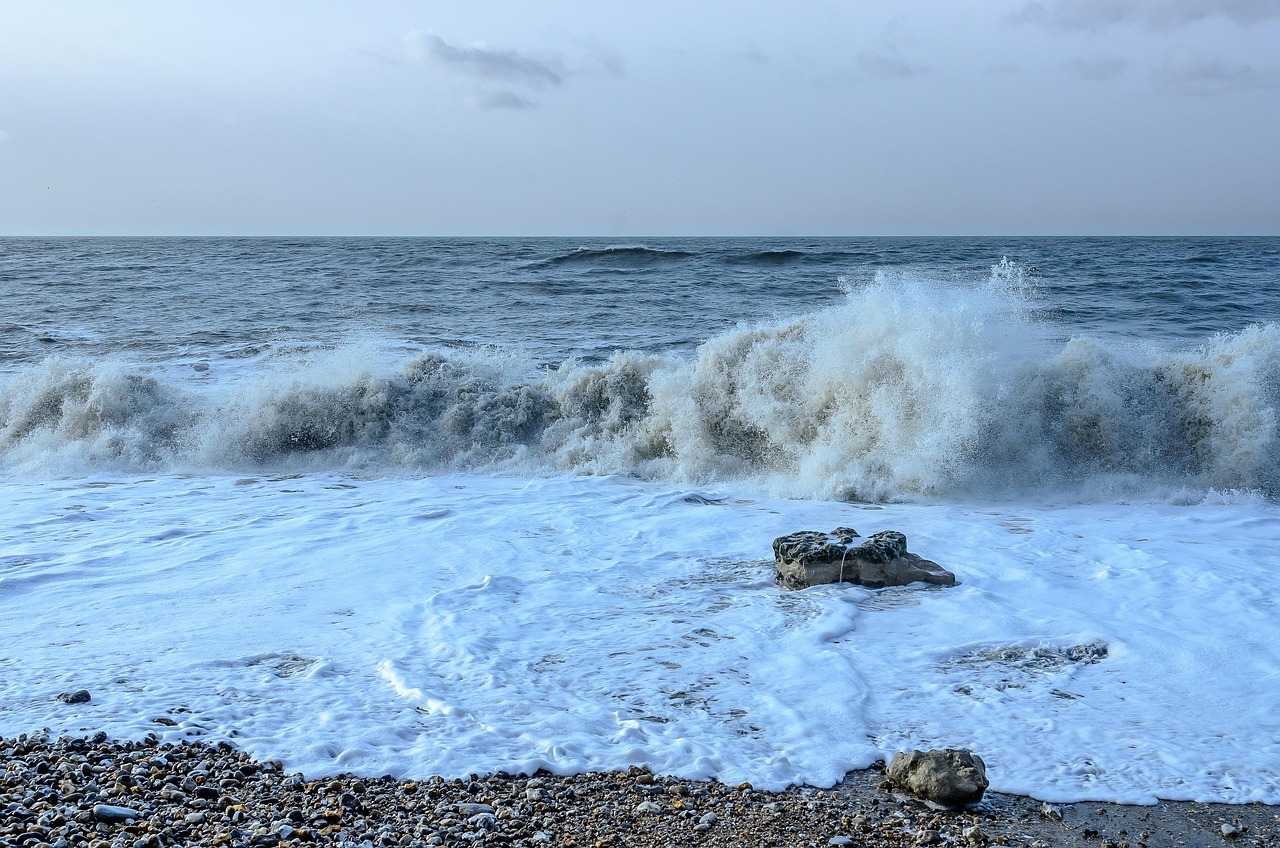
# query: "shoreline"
59,792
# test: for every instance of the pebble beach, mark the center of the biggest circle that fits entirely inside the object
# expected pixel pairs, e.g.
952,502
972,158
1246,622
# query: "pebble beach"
103,793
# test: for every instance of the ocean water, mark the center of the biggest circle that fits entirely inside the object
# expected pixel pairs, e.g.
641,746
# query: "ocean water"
416,506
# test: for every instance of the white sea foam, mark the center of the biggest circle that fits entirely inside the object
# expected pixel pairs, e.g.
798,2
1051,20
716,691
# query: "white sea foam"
907,388
463,623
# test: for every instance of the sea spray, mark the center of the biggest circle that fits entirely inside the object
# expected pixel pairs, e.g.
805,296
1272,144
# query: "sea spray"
906,388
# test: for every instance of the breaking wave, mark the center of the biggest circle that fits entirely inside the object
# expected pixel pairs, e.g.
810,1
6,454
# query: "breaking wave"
902,390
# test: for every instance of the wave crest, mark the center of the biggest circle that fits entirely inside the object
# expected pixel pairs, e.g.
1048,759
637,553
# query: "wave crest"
905,389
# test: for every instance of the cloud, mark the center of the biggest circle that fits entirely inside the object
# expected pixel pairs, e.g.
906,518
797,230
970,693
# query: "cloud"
752,55
1200,77
502,100
487,63
477,67
1156,14
1099,67
883,60
886,66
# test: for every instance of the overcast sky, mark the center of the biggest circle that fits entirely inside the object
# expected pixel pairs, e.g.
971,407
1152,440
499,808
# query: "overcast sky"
585,118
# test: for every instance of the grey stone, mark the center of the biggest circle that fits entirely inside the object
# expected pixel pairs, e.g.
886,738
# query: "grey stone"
483,821
811,558
468,809
109,813
80,696
949,777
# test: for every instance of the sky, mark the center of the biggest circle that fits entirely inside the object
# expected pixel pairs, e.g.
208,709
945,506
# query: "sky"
409,117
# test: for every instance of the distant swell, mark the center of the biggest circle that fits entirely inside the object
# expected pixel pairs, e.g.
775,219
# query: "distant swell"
901,391
632,254
774,257
786,257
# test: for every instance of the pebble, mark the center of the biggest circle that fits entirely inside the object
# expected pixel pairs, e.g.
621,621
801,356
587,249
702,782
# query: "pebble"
80,696
840,840
1050,812
483,821
1228,831
111,813
471,809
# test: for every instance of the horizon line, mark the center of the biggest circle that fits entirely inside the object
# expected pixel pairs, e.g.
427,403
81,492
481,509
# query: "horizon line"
332,235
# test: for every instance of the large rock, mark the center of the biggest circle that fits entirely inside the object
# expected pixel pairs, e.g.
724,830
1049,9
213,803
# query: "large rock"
950,777
809,558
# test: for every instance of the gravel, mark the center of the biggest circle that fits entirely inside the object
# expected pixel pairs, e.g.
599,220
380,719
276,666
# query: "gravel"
100,793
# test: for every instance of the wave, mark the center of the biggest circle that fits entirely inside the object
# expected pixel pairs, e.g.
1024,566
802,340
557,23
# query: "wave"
626,253
903,390
788,256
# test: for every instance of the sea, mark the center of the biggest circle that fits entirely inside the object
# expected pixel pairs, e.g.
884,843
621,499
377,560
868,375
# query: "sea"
421,506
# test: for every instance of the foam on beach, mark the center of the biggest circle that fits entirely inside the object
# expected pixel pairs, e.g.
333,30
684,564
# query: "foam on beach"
460,623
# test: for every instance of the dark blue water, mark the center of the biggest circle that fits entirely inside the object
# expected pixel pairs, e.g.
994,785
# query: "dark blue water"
164,298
